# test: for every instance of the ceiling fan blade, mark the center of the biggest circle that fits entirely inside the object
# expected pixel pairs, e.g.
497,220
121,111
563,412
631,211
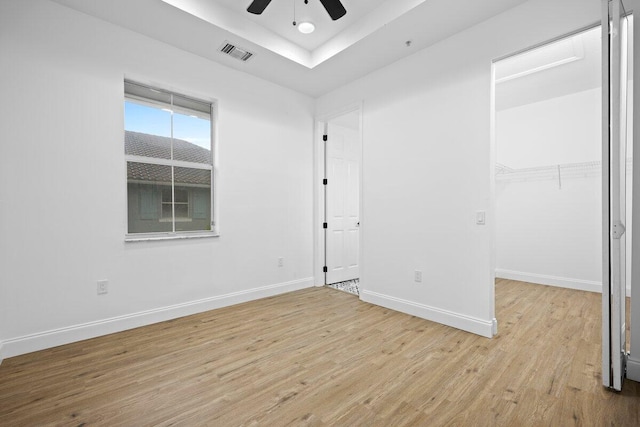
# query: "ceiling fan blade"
258,6
335,9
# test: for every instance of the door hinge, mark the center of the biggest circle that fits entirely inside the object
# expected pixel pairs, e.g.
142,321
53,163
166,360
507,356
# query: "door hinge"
325,225
325,269
617,230
325,181
324,138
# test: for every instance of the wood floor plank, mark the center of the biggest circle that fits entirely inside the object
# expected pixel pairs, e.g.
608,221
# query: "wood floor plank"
320,357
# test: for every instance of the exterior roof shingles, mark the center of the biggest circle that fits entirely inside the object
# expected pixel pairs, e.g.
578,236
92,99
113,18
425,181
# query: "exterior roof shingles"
146,145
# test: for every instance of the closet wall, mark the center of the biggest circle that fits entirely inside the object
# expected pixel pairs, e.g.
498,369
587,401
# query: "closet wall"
548,181
548,195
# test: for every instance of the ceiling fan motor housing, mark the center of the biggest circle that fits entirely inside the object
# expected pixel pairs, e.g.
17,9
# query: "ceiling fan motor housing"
334,8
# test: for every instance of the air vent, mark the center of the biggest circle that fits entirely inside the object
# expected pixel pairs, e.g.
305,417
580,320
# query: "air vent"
235,52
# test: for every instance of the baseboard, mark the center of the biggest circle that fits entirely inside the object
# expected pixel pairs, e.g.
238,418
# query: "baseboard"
562,282
449,318
633,369
40,341
1,352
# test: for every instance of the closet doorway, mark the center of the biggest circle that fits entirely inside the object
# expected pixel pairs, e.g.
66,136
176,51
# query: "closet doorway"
548,164
551,202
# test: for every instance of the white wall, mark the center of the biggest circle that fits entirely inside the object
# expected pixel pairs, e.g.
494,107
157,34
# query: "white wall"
564,129
547,234
62,176
550,235
427,169
63,183
548,230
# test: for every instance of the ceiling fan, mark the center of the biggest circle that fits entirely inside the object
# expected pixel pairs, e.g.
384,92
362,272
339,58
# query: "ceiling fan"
334,8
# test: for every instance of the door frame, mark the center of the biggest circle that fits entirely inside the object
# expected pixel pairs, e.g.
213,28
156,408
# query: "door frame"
633,365
492,223
614,184
319,246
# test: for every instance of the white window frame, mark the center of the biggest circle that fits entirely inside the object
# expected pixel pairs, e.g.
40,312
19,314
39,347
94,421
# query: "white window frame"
213,208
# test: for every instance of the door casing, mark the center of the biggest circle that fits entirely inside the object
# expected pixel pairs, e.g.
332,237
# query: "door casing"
318,191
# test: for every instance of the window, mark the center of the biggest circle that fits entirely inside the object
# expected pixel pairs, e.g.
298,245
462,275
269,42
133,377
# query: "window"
168,150
179,206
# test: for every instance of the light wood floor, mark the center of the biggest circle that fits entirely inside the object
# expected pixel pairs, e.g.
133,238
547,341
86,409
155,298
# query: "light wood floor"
322,357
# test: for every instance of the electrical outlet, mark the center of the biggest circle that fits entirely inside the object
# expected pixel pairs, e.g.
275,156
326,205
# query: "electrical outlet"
417,276
280,262
103,287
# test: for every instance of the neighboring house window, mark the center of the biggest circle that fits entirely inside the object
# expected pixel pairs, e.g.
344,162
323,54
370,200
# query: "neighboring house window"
168,150
179,206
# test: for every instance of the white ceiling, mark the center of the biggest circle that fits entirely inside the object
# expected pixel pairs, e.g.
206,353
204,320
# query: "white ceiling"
567,66
278,17
371,35
274,29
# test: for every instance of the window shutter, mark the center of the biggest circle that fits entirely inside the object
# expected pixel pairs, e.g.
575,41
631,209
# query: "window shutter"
148,204
200,205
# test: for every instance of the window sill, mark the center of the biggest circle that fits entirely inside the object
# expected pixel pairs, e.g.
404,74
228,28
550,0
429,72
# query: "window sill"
148,237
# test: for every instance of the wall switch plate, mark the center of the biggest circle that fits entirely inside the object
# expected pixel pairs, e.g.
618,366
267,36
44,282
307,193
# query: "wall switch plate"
417,276
480,218
103,287
280,262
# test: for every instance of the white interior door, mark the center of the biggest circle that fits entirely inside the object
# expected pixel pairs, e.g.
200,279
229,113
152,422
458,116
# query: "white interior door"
342,198
614,90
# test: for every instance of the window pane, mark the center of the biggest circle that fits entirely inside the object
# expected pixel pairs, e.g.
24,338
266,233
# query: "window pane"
146,186
193,199
181,196
147,131
167,211
182,211
192,135
166,195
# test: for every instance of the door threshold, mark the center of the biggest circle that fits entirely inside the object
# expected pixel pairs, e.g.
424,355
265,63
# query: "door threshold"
349,286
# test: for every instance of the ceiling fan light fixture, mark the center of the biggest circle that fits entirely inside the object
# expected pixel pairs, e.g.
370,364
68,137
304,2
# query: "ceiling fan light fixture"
306,27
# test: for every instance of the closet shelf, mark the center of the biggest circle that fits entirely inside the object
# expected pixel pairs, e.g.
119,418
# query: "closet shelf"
505,173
